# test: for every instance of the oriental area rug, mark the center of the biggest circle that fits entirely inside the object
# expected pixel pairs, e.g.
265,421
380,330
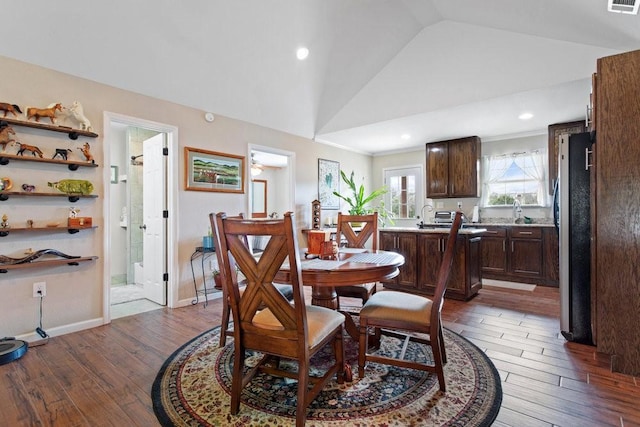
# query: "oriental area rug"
193,389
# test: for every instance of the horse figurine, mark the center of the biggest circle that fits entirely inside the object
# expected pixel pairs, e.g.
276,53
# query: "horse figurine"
49,112
87,154
35,151
10,108
77,113
5,139
62,152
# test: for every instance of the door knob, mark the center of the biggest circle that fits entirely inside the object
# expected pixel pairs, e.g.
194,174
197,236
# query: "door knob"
143,227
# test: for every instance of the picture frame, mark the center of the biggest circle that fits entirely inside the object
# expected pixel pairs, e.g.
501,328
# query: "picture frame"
328,182
259,198
114,174
213,171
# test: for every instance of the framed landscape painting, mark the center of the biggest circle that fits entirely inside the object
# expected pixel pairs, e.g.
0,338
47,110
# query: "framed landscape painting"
213,171
328,182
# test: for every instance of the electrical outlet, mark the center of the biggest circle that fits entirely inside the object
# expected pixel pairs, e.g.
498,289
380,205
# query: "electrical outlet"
39,289
459,205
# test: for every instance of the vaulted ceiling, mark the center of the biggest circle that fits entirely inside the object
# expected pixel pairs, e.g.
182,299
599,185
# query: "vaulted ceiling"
432,69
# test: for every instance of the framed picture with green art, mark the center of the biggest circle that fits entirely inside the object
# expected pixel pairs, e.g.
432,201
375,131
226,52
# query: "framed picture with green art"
328,182
213,171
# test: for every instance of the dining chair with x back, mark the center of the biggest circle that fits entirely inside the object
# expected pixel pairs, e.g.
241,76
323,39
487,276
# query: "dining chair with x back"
264,320
410,317
355,231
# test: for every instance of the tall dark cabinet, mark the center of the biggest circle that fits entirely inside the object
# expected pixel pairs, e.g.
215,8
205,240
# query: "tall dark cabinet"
616,211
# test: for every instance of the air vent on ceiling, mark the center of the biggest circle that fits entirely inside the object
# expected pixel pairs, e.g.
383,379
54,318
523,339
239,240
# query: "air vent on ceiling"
623,6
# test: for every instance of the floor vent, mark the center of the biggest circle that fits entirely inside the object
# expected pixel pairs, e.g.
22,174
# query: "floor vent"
623,6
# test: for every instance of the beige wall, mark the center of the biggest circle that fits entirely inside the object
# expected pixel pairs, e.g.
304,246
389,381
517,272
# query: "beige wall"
75,294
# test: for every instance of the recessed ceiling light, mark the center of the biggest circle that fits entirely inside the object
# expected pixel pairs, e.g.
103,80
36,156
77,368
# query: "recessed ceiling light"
525,116
302,53
405,136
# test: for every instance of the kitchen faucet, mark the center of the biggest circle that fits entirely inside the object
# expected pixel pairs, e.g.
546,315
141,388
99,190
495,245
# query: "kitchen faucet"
517,208
430,208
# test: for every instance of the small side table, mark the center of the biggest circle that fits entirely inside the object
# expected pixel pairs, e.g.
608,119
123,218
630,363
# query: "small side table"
202,253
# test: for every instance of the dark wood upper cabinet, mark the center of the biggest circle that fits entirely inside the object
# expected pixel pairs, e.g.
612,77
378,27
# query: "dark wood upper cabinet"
453,168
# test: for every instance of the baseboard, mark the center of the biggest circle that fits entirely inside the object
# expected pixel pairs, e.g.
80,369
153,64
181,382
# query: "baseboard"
187,302
63,330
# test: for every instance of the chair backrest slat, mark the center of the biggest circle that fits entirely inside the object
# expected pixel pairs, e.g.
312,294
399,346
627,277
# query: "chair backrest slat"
369,228
446,266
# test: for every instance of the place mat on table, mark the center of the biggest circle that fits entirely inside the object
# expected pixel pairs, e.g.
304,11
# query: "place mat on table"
370,258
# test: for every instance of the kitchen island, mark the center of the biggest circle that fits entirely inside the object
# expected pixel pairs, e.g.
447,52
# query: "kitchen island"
423,250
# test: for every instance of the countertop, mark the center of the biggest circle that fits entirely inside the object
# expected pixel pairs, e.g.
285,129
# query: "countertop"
467,228
434,230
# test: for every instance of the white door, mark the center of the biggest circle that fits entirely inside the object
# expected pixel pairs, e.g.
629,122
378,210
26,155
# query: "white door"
153,199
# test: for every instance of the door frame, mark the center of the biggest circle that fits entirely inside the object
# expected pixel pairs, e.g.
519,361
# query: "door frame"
109,118
291,174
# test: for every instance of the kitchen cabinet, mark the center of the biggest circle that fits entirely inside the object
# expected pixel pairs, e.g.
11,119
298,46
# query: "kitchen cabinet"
453,168
615,206
494,249
520,254
464,280
405,245
423,260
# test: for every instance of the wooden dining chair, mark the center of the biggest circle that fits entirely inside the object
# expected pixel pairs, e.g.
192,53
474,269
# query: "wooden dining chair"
225,331
280,329
368,229
411,314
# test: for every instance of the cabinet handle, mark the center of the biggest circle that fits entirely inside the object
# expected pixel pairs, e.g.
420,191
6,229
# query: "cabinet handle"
491,232
525,232
587,165
512,246
587,120
504,245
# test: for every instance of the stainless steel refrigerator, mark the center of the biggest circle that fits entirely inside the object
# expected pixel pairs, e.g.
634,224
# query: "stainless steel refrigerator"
572,216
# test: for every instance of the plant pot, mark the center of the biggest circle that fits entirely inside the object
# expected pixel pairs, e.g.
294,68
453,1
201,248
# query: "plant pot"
218,281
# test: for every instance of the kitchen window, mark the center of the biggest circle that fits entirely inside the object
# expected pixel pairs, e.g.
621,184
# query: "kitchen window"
404,186
513,174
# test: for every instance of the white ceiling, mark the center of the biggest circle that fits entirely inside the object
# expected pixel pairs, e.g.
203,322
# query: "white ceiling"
434,69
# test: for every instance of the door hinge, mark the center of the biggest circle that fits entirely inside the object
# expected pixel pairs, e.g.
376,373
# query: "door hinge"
165,214
165,277
165,151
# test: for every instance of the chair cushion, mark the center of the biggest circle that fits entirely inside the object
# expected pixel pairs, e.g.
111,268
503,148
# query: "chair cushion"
320,322
285,290
399,306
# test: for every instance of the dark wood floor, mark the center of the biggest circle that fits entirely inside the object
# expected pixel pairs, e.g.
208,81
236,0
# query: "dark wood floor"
103,376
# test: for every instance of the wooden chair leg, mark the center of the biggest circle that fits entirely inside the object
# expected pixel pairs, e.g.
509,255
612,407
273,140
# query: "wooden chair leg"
303,388
237,379
363,348
442,349
436,347
224,325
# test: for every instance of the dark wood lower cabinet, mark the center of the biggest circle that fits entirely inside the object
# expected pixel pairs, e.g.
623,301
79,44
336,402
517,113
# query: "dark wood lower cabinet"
521,254
423,255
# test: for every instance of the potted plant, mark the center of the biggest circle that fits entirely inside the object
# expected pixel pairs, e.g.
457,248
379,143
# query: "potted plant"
358,202
217,278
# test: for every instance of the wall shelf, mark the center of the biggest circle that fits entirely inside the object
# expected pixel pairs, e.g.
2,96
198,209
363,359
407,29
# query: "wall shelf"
72,164
71,230
47,263
72,133
72,197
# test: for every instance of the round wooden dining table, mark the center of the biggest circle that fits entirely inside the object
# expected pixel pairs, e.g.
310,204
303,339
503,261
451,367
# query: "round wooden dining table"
351,266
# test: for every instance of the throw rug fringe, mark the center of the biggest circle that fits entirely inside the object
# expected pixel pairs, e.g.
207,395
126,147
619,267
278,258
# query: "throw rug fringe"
193,389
